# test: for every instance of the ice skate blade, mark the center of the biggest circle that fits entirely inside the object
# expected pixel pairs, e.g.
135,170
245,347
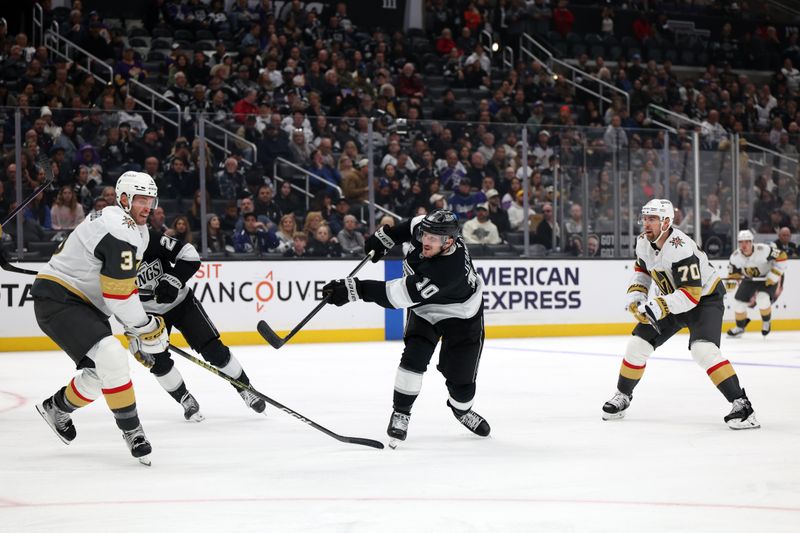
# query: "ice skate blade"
197,417
749,423
613,416
40,410
145,460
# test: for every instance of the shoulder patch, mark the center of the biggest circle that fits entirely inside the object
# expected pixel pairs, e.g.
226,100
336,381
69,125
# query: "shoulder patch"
676,241
128,222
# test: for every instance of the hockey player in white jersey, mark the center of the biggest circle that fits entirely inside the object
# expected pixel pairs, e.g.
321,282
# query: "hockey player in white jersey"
443,295
162,276
688,293
90,277
755,260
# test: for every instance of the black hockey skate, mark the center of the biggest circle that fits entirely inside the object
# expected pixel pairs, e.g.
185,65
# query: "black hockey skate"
736,331
398,428
766,327
253,402
615,408
742,415
191,409
472,421
58,420
138,444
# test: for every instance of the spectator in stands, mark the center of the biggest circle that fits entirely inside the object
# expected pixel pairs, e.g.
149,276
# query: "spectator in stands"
288,202
615,138
181,230
539,17
479,55
563,19
299,243
409,83
445,43
158,219
329,174
230,180
574,224
300,149
784,242
246,106
481,230
180,181
66,212
350,239
712,131
254,237
286,230
322,244
545,229
218,240
266,206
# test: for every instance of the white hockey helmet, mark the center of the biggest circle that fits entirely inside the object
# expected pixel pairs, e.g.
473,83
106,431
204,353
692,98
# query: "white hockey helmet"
132,183
745,235
662,208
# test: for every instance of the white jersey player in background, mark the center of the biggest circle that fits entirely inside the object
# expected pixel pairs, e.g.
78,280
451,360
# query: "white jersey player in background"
759,267
89,278
688,295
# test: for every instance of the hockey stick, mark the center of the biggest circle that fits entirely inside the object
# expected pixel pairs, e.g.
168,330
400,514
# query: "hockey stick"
341,438
275,340
47,166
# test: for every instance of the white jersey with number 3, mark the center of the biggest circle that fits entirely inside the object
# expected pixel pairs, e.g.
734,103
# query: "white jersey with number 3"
98,262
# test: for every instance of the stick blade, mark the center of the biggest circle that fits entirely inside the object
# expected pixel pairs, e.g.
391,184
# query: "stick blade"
365,442
270,336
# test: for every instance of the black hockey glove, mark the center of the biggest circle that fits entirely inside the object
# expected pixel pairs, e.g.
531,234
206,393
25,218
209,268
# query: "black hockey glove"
167,289
341,291
379,242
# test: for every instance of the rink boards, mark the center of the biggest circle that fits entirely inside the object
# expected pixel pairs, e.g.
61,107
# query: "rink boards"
522,298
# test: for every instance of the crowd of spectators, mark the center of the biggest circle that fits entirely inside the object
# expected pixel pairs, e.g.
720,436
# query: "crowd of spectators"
303,90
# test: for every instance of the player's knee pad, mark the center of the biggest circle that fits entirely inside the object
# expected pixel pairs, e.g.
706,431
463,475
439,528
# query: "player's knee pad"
638,350
706,354
163,364
111,362
216,353
461,396
739,306
407,381
763,301
88,384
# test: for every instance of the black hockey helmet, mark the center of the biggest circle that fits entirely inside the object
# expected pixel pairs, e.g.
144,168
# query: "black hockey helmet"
439,222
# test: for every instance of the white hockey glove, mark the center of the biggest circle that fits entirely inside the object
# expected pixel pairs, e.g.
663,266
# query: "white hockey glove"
656,309
148,340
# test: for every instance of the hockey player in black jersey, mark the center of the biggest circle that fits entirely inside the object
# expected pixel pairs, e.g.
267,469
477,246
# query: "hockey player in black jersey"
442,293
162,276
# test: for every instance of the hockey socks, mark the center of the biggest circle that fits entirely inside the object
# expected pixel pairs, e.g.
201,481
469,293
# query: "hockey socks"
724,377
172,382
629,376
122,402
407,385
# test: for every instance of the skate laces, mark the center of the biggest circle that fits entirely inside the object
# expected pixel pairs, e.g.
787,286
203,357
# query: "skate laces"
400,421
61,418
188,401
249,398
619,400
134,436
471,419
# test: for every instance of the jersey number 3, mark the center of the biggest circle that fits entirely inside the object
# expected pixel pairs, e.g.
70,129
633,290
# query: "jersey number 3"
126,260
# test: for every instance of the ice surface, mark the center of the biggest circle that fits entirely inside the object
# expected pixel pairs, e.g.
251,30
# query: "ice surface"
551,464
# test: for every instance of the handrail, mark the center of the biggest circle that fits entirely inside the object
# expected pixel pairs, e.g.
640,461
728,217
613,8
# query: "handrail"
51,36
134,83
236,138
526,39
490,38
508,57
312,175
38,22
764,163
308,173
677,116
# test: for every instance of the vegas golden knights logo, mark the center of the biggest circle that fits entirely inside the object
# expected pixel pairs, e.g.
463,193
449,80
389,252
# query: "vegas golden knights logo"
662,280
389,4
